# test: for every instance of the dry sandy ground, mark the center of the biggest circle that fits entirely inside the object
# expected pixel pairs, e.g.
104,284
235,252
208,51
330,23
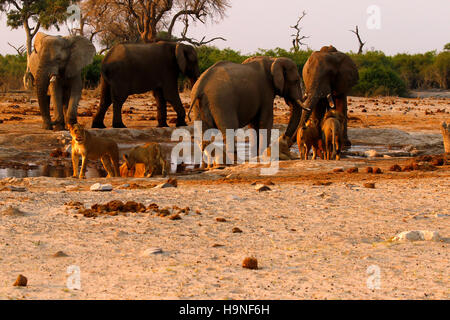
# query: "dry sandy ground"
312,240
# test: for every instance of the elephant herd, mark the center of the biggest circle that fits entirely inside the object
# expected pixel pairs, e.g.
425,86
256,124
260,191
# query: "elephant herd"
226,96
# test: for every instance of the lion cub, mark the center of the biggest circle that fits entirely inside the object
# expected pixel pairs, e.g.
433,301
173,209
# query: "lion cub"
333,134
150,154
92,148
309,137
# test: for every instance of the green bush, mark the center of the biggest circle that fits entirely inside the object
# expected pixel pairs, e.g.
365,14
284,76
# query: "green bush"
379,80
208,56
91,73
441,68
412,68
12,69
299,57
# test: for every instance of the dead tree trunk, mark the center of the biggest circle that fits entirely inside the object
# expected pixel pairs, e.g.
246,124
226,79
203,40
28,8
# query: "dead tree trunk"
361,43
297,38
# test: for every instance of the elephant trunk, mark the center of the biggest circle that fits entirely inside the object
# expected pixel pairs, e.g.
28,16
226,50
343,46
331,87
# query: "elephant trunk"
309,105
42,84
296,114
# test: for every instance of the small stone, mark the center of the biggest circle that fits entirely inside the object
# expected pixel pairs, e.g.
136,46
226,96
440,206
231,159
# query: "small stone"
369,185
262,188
323,183
13,212
217,245
250,263
21,281
151,251
16,189
371,154
236,230
353,170
221,220
338,170
164,186
101,187
60,254
418,236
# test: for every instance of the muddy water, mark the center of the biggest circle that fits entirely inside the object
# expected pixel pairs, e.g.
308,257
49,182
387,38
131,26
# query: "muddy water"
65,170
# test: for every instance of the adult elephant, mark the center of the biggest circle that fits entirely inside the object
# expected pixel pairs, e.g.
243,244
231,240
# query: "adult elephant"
55,69
231,96
329,76
137,68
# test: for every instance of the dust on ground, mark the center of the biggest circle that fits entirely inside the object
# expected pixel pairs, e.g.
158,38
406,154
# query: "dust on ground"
315,233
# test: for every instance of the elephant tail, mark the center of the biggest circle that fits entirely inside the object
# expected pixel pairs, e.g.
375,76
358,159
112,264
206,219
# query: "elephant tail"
193,102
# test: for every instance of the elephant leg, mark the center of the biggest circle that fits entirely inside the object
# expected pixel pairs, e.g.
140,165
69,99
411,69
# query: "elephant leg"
265,123
44,107
118,102
341,106
75,95
173,97
162,108
105,102
66,99
56,94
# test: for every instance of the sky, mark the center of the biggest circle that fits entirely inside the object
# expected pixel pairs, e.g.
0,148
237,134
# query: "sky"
400,26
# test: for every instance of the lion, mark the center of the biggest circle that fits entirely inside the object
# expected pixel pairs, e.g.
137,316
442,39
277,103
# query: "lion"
150,154
93,148
309,137
284,144
333,134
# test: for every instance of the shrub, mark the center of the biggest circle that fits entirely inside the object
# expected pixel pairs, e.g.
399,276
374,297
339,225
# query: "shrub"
12,69
379,80
91,73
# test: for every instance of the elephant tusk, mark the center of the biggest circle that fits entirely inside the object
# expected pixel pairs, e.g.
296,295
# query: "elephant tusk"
53,79
303,107
330,101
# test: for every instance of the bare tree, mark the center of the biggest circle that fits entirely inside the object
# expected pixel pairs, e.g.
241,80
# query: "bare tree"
116,21
297,41
21,51
361,43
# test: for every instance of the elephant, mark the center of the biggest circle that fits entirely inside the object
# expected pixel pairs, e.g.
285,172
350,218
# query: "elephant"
329,76
137,68
55,67
231,96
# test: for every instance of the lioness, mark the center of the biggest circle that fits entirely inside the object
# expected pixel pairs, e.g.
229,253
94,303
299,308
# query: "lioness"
92,148
283,144
333,134
309,137
150,155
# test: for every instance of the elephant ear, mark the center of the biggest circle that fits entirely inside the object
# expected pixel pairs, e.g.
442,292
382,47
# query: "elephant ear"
283,69
81,53
180,53
277,70
38,41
